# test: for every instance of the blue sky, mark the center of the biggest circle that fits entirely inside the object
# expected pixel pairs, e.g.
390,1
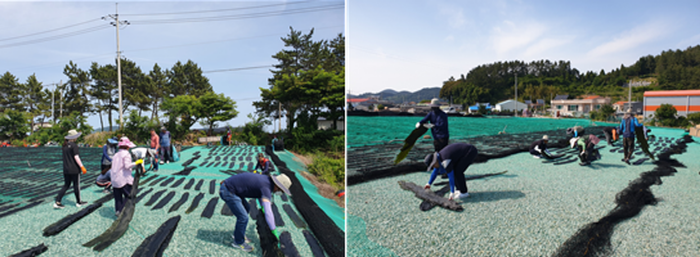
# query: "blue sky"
409,45
213,45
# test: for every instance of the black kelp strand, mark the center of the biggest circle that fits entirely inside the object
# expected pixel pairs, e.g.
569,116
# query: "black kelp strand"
316,249
189,184
177,183
287,246
254,211
211,205
298,222
13,211
155,244
268,241
31,252
155,197
226,211
276,213
157,181
212,186
65,222
167,181
195,203
164,201
142,195
199,185
179,203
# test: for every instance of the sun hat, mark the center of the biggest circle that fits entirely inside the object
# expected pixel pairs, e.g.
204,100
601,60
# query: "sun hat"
162,128
124,141
113,141
283,182
73,134
435,102
431,159
545,137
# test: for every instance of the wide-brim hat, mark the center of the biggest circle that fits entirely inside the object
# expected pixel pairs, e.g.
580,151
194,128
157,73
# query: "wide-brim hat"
124,141
434,103
431,159
283,182
73,134
545,137
162,128
112,141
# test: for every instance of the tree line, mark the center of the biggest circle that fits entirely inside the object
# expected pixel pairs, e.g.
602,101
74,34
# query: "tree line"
543,79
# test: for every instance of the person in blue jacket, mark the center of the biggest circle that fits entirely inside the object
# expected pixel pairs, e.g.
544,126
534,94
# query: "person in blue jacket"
629,122
454,159
166,152
438,125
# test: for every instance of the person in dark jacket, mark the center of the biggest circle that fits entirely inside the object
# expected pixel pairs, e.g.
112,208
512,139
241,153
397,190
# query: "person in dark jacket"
72,167
538,149
438,125
626,129
165,146
611,135
263,165
234,191
454,159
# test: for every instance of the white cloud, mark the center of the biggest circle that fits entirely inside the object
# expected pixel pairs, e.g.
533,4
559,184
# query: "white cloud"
546,44
511,35
630,39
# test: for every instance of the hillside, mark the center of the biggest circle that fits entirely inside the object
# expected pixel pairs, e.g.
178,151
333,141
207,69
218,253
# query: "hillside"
403,96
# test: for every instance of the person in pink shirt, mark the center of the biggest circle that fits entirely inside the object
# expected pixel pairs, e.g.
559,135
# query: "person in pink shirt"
121,177
155,145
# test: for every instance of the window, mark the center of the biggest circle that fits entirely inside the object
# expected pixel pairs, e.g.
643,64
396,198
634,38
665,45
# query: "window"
573,108
597,106
559,107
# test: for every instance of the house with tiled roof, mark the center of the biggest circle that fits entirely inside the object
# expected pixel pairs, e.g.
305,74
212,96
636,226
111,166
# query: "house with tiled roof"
622,106
578,107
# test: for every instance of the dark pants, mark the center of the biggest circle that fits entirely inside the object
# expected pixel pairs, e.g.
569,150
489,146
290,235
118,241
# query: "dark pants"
240,208
608,137
165,150
440,143
69,179
460,166
120,195
628,146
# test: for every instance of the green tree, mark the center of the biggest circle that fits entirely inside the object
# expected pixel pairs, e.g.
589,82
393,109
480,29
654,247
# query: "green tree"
183,112
666,115
10,93
134,87
216,108
137,128
187,79
33,97
104,91
14,124
253,132
157,81
77,92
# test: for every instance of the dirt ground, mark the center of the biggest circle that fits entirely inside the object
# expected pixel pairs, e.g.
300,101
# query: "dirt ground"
324,189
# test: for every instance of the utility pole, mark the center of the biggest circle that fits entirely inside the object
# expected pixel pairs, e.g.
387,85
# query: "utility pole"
53,115
629,97
516,96
116,23
60,85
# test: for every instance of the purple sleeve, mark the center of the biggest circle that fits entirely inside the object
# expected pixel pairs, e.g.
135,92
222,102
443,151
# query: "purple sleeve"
426,118
269,217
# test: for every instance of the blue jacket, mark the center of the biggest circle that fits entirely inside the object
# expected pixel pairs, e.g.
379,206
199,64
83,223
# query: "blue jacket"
627,126
439,119
165,139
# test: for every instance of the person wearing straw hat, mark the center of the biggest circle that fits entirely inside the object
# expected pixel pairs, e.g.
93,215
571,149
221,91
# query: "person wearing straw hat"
626,129
454,160
122,180
72,168
538,149
438,125
234,191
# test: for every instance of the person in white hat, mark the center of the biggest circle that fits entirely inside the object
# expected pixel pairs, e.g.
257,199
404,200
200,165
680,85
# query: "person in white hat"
234,191
538,149
120,174
72,167
438,125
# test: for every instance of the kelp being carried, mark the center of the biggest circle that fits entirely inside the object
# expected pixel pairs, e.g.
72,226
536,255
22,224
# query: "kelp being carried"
65,222
639,132
268,241
430,196
155,244
409,142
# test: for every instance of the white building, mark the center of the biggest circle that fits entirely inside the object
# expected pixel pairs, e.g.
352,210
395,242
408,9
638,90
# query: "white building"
324,124
510,105
578,107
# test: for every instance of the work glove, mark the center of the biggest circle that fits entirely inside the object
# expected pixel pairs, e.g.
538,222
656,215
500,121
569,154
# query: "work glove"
276,233
427,186
428,125
418,125
138,162
82,168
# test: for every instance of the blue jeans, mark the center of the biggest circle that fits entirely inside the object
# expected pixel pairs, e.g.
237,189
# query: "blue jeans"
239,207
155,160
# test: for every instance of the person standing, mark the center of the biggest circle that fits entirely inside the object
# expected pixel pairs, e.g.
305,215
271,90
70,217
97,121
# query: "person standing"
234,191
120,175
155,146
72,168
454,159
165,145
438,120
626,129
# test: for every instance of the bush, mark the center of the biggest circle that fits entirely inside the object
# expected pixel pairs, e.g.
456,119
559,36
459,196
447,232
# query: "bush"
307,140
694,118
137,128
329,170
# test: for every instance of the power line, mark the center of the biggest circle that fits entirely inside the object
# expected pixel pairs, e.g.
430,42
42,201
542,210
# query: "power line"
218,10
60,36
241,16
237,69
49,31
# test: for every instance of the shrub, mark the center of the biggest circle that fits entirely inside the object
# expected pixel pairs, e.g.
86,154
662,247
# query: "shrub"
694,118
329,170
